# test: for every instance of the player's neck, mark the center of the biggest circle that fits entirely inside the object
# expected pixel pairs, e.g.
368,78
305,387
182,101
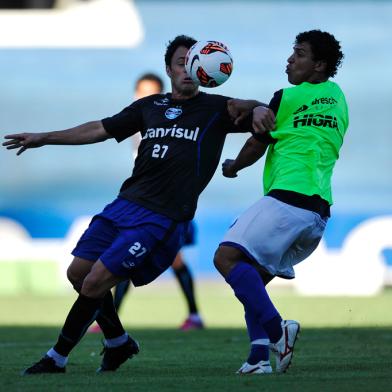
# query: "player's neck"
182,95
317,78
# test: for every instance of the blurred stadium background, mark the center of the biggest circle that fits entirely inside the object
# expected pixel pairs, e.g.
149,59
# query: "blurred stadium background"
67,62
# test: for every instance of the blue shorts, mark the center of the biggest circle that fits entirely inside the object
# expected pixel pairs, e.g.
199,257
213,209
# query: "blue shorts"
190,234
132,241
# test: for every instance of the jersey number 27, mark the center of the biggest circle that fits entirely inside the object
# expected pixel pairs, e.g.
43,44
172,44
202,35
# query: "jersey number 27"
159,151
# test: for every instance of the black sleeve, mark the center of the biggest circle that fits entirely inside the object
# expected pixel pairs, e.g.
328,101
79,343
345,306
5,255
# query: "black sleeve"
275,101
230,127
274,104
265,137
245,124
126,123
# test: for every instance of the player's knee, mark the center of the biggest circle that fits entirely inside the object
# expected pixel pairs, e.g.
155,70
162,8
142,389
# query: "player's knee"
218,260
92,287
221,261
74,278
99,281
178,262
225,259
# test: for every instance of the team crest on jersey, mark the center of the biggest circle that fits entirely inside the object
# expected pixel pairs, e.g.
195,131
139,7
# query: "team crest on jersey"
173,113
162,102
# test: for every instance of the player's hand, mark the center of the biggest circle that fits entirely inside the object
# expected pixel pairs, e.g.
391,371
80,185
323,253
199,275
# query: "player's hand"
263,119
239,109
23,141
228,169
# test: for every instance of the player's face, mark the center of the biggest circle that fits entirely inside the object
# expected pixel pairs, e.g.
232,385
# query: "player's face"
302,68
182,84
147,87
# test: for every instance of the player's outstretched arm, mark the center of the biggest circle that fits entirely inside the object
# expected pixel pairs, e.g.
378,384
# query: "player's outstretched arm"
251,152
240,109
91,132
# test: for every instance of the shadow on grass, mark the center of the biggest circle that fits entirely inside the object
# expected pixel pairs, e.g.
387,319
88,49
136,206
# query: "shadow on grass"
325,359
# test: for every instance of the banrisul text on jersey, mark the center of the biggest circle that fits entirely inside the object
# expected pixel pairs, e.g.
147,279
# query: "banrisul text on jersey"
179,133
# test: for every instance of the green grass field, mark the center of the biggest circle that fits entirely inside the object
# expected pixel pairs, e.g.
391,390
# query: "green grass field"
345,344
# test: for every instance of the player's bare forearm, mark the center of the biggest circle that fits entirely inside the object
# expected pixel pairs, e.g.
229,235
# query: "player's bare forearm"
250,153
91,132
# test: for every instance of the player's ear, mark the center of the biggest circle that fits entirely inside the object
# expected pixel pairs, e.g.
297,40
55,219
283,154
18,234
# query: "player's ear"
168,71
321,66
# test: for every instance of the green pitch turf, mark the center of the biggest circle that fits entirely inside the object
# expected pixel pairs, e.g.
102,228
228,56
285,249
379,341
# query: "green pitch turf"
345,344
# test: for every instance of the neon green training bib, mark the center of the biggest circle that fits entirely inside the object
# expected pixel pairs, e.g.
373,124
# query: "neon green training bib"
311,122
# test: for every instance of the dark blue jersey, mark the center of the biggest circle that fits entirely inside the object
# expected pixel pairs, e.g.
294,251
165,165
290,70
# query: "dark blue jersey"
181,146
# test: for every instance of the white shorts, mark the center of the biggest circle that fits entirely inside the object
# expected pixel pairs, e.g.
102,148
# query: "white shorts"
276,235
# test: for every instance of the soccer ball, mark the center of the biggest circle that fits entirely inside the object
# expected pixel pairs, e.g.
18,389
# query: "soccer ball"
209,63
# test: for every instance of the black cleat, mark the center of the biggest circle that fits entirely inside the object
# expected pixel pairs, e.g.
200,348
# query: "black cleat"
113,357
44,365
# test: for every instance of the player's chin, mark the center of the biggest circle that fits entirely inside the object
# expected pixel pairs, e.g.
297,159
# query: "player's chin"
293,80
188,87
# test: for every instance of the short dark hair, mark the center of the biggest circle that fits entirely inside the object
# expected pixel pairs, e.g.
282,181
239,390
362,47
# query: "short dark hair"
325,47
172,46
150,77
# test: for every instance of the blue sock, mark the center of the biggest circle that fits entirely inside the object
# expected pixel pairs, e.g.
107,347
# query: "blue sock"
273,328
256,330
249,288
258,338
258,352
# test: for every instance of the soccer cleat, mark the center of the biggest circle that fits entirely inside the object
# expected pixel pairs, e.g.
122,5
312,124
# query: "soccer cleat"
113,357
284,347
191,324
44,365
262,367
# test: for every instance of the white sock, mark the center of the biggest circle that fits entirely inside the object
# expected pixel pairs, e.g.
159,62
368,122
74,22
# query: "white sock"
195,317
262,342
115,342
59,359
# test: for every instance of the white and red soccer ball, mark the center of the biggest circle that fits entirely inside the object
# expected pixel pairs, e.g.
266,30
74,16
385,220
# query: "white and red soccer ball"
209,63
